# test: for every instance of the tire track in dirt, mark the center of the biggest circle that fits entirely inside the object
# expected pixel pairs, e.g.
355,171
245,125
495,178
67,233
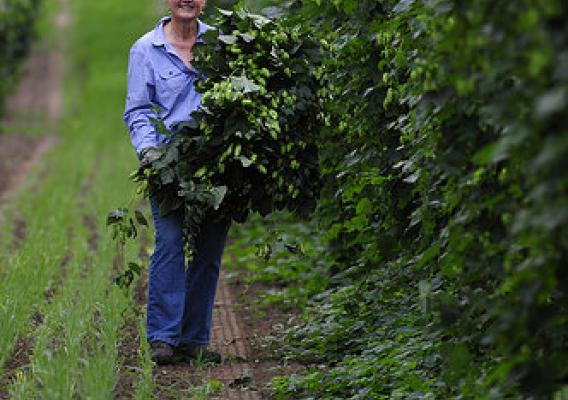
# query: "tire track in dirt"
38,100
36,106
231,338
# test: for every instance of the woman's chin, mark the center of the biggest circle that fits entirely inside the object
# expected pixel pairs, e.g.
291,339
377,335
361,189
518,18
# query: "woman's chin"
185,15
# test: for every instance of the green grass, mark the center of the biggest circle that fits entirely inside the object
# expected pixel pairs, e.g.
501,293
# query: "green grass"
145,384
75,353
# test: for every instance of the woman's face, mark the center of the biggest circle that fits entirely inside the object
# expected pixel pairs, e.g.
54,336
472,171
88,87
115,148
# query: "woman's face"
186,9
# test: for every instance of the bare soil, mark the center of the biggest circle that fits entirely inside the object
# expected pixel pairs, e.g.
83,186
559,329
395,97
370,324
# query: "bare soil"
20,357
38,102
17,361
29,123
18,155
30,118
128,343
264,324
129,336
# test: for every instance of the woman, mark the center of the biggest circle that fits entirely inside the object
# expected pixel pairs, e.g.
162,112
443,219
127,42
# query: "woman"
160,76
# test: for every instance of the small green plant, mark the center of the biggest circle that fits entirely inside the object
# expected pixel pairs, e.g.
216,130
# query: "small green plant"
125,227
209,387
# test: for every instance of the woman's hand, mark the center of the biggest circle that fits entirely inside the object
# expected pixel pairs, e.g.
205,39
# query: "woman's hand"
148,156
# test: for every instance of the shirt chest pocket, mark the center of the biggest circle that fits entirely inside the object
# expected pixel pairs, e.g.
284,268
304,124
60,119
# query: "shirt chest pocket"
170,81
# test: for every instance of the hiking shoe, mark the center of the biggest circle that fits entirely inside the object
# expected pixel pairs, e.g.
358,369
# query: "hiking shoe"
199,352
162,353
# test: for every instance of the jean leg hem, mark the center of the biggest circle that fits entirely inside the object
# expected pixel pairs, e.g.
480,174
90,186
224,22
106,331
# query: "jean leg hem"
193,342
169,341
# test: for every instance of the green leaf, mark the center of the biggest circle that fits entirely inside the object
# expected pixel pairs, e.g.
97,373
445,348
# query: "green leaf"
132,231
219,193
140,218
244,161
117,216
259,20
224,12
552,102
167,176
135,267
403,6
245,85
428,255
200,172
486,155
247,37
228,39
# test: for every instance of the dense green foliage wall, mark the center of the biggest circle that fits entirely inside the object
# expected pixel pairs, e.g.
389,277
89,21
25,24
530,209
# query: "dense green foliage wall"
446,202
16,31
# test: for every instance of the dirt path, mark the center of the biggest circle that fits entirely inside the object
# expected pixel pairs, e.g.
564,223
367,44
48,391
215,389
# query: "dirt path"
232,340
28,127
235,372
18,156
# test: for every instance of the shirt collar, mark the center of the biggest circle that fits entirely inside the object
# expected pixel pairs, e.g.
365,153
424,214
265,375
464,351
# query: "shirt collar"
159,36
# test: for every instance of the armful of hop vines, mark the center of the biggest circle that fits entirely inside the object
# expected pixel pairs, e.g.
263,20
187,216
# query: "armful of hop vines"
252,146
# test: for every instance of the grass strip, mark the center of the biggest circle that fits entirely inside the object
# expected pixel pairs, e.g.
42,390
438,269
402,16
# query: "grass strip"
75,352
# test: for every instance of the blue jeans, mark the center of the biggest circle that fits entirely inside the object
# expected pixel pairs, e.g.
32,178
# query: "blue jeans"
180,300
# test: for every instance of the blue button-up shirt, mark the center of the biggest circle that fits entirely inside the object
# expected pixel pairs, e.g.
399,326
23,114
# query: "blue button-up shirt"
158,77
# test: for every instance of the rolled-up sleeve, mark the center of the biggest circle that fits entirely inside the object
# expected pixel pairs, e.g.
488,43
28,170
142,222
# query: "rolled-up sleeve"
140,92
